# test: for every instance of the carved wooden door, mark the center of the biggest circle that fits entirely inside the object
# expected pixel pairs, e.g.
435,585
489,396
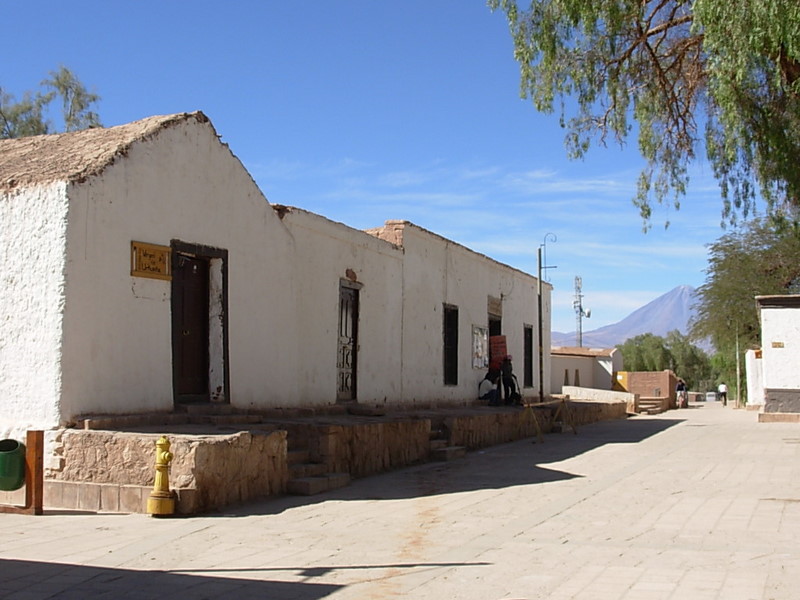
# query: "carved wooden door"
347,358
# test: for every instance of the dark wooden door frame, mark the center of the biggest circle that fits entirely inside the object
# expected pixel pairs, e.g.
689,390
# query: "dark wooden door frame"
347,352
207,253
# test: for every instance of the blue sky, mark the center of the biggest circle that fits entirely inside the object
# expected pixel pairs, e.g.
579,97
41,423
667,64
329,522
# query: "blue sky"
367,110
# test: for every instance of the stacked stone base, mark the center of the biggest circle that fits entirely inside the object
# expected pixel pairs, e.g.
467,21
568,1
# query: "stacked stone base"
113,471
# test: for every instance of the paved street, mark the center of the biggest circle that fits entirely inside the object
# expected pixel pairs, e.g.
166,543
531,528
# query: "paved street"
699,503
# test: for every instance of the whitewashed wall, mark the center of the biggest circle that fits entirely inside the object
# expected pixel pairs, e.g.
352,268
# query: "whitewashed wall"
604,369
584,365
595,371
87,337
181,185
780,341
755,378
324,252
437,272
33,227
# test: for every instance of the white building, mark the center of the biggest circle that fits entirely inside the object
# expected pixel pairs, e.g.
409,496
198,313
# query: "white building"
584,367
755,385
143,269
779,380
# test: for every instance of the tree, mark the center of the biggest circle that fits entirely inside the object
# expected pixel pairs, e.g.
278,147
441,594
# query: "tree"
690,363
761,257
649,352
687,72
646,352
28,116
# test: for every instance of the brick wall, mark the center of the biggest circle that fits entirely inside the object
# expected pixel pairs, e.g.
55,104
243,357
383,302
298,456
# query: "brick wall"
652,384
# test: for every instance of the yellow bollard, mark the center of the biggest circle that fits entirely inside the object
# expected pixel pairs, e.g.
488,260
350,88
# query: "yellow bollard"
162,500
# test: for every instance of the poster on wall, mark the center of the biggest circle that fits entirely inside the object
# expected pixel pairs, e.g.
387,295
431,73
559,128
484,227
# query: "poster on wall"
480,347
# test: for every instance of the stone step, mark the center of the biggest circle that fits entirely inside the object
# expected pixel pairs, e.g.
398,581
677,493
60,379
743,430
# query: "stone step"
206,408
449,453
310,486
295,457
231,419
436,444
366,411
300,470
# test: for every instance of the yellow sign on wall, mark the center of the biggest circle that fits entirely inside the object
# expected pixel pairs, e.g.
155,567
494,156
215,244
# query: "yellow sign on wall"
150,260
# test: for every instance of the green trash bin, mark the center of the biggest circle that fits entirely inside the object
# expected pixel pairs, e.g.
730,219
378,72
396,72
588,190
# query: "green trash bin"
12,465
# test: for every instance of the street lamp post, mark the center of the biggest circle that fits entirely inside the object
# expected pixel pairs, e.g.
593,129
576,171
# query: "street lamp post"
542,246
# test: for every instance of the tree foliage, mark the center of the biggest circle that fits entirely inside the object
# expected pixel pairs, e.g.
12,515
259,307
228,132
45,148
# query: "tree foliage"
649,352
688,72
761,257
29,116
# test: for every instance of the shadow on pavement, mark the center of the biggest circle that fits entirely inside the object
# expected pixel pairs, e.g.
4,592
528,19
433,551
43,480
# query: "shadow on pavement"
29,579
506,465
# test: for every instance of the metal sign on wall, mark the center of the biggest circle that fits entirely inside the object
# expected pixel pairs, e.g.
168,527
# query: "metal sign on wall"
150,260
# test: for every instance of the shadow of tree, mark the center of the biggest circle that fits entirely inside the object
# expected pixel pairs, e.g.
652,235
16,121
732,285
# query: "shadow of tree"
517,463
31,579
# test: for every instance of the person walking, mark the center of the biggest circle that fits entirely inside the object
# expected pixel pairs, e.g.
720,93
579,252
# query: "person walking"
723,393
681,393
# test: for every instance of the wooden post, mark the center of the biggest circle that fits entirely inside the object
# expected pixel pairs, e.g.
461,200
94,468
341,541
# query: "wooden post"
34,477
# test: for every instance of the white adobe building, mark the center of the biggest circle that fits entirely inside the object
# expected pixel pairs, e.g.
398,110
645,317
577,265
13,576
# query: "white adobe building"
773,373
143,269
584,367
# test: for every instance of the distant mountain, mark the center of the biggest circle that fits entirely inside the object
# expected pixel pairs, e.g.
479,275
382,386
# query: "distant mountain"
666,313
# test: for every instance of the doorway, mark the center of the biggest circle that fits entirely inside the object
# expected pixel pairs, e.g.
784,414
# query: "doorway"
347,354
199,324
190,297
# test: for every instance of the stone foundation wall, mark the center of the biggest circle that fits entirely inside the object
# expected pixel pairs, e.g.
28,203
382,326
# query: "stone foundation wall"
480,431
585,412
603,397
100,470
363,449
780,401
207,473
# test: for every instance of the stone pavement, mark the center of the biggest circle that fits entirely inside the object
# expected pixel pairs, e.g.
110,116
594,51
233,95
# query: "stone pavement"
699,503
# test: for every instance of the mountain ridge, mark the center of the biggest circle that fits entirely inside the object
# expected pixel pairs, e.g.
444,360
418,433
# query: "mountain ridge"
670,311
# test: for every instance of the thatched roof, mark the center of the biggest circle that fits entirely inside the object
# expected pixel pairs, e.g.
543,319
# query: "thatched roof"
74,157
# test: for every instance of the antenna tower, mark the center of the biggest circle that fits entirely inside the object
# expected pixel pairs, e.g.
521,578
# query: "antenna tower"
580,313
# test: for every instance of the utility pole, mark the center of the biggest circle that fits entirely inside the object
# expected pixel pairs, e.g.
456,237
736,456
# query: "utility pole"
542,267
577,304
541,322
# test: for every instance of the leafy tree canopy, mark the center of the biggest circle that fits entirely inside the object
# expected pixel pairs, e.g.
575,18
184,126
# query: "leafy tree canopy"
720,73
648,352
758,258
28,116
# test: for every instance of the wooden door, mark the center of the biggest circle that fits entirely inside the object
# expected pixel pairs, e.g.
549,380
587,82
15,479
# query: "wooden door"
190,328
347,356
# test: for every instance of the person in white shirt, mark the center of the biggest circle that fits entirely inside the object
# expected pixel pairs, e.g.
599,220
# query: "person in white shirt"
723,393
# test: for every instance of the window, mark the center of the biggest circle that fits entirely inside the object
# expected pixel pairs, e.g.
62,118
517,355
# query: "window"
527,365
450,345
